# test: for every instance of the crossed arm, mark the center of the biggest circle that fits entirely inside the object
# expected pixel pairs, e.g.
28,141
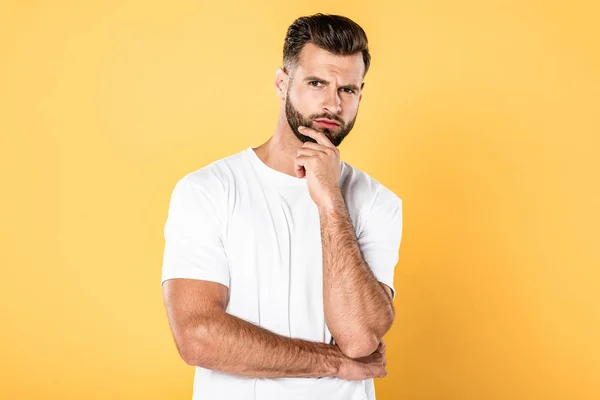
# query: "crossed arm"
207,336
357,307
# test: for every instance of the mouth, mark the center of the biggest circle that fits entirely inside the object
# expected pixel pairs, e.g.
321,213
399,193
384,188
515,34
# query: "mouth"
327,123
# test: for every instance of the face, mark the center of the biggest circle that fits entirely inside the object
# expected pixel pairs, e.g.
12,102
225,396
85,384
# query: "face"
324,86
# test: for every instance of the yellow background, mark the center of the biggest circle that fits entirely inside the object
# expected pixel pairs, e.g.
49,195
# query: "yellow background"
481,115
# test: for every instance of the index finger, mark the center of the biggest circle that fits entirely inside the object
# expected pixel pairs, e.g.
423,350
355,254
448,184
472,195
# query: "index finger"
315,134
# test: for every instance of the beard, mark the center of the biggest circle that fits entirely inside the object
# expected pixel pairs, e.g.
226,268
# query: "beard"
296,119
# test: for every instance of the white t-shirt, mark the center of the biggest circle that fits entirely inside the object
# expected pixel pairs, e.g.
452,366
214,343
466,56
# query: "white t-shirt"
256,230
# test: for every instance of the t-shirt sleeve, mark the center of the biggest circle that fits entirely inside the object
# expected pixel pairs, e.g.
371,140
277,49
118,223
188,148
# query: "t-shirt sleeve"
379,240
193,243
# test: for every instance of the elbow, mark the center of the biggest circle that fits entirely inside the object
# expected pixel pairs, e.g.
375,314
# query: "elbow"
195,350
190,355
364,343
359,347
197,356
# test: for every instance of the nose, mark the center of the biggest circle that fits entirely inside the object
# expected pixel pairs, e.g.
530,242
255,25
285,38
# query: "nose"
332,103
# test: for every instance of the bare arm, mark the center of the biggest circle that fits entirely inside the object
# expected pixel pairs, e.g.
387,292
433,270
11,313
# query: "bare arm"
207,336
358,308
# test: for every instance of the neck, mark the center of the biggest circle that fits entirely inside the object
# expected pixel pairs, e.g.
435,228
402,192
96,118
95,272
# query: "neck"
279,152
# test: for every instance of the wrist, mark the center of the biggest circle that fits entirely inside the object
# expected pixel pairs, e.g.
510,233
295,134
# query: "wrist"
333,202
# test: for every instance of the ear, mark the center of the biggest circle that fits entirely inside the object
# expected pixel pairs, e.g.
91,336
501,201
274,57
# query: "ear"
281,82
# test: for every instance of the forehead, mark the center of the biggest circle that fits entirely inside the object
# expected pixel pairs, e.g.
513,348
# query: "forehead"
314,60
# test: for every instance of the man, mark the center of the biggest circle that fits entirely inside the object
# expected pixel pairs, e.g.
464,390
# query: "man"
279,260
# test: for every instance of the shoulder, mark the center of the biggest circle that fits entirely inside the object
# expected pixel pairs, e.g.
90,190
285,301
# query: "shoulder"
205,190
365,191
214,177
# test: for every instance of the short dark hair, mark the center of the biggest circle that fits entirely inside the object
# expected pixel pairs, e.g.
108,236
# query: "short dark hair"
334,33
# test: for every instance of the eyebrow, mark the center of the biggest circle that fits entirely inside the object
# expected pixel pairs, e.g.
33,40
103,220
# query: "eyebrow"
316,78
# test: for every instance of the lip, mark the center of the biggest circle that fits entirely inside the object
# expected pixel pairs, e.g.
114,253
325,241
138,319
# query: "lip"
327,122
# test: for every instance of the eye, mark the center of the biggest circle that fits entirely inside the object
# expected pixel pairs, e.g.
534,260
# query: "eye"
311,83
348,90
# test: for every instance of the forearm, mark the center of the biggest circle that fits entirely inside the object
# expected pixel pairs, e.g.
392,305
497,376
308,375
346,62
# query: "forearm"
232,345
357,309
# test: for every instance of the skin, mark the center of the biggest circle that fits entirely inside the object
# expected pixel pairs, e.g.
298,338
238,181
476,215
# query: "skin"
312,100
206,336
358,309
